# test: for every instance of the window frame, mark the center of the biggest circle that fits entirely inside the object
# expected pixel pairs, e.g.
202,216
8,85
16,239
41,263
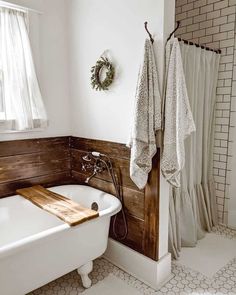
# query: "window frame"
4,122
2,112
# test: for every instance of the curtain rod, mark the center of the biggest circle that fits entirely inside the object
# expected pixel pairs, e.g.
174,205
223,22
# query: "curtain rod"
218,51
18,7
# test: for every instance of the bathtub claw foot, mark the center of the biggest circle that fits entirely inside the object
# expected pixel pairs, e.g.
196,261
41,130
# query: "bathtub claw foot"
84,271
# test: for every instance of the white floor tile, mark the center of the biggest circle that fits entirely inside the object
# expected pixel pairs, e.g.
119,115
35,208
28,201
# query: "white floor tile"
185,281
112,285
211,254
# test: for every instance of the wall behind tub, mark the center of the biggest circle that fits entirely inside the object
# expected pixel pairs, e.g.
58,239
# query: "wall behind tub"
48,33
93,26
118,26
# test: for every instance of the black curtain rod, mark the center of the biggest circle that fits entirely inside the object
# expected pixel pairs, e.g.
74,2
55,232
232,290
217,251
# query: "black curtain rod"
218,51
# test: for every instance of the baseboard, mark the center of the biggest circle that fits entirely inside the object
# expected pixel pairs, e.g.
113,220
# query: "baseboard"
153,273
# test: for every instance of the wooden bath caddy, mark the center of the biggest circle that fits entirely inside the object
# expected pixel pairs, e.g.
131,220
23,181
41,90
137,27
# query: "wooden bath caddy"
60,206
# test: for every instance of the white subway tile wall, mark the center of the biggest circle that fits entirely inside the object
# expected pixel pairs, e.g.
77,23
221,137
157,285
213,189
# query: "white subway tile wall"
212,23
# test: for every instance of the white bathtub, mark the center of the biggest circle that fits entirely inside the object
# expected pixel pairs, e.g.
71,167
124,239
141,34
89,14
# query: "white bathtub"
37,247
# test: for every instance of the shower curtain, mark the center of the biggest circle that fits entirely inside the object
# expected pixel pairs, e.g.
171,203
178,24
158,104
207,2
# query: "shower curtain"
193,205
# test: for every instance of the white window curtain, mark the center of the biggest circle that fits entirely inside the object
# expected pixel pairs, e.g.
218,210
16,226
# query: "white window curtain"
193,206
21,104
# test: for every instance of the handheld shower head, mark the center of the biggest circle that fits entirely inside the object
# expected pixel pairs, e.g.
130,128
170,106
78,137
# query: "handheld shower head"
99,162
96,154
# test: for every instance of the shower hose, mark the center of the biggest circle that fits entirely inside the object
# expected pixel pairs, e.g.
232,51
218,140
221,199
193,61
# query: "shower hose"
110,169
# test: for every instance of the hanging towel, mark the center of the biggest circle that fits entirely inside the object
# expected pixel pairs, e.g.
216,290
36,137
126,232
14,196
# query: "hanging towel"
146,119
178,118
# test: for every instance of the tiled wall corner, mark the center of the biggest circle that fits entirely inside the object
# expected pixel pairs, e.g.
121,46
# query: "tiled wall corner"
212,23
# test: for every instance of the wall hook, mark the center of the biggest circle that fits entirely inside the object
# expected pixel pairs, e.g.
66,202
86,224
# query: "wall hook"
178,25
149,34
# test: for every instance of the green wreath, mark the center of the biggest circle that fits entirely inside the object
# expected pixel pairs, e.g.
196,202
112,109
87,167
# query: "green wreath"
96,70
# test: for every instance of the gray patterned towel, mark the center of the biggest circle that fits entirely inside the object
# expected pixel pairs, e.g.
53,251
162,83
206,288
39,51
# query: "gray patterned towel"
179,123
146,119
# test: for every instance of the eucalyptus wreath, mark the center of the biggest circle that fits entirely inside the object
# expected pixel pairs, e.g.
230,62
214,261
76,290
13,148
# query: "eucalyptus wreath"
96,70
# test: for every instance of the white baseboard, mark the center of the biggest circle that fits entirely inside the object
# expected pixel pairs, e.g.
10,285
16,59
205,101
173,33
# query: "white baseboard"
153,273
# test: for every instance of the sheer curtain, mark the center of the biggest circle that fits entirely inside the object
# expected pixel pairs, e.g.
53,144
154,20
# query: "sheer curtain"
193,206
21,103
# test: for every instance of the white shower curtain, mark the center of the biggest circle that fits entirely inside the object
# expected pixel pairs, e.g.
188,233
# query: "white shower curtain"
20,101
193,206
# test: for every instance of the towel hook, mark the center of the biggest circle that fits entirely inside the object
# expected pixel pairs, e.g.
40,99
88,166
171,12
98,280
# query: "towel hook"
178,25
150,35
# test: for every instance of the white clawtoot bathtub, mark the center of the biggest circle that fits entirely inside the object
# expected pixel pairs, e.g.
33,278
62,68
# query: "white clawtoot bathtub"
37,247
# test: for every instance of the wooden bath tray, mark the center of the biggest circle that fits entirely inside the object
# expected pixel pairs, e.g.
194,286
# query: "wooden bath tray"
60,206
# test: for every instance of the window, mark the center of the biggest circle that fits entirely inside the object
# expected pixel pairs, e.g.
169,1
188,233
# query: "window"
21,104
2,108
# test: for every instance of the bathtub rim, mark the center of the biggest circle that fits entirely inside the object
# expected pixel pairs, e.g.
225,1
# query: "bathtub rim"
106,213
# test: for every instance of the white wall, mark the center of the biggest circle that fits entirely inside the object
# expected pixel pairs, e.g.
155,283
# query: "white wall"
67,41
95,26
48,34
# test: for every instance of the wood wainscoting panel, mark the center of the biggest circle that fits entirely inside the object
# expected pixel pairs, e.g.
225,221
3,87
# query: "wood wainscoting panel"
141,206
57,161
28,162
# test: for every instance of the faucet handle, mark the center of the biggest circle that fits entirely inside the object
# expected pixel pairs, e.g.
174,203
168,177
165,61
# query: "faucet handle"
86,158
83,167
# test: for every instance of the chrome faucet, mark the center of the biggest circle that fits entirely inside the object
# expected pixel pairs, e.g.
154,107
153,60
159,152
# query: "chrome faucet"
90,177
99,162
96,170
93,162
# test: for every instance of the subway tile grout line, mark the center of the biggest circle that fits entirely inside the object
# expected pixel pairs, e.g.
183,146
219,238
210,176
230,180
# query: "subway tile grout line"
222,35
226,193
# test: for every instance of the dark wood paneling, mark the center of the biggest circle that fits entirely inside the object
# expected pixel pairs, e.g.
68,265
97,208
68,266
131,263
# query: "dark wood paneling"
141,207
27,162
120,165
29,146
116,150
9,188
57,161
33,165
133,200
151,224
135,233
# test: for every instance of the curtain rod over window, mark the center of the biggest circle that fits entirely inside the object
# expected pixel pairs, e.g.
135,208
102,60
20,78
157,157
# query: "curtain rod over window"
18,7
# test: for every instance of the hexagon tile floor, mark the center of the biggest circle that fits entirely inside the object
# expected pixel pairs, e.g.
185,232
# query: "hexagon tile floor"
185,281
